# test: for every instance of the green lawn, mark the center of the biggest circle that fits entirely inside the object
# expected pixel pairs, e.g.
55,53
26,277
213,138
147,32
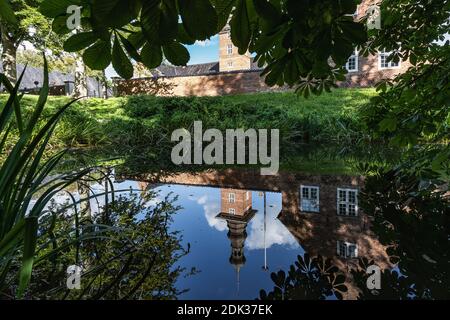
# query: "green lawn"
142,125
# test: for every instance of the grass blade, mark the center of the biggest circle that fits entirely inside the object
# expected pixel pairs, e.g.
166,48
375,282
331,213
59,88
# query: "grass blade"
30,239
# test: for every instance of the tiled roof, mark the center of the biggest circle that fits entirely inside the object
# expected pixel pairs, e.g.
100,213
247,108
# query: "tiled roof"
56,78
192,70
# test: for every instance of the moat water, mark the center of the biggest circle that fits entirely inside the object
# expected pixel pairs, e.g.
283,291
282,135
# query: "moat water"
239,228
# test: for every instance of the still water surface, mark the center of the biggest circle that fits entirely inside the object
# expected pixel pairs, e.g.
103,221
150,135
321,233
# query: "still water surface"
240,227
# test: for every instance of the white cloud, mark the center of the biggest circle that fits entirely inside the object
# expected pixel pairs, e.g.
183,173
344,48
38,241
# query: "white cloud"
208,42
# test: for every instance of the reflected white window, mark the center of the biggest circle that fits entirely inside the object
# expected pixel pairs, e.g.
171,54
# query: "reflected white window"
352,63
232,211
347,202
230,49
384,61
309,201
231,198
347,250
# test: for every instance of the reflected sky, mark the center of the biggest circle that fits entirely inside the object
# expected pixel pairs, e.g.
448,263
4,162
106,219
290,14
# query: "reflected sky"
211,248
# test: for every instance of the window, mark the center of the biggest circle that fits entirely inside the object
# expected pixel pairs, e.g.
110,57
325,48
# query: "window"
231,198
383,60
347,202
232,211
230,64
309,199
347,250
230,49
352,63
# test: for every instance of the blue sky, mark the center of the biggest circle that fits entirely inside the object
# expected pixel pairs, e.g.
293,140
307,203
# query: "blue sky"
205,51
201,52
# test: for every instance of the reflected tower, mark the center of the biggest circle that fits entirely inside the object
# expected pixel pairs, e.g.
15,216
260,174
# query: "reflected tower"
237,211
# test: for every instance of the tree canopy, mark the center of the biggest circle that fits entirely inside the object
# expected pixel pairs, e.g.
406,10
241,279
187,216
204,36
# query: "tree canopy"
294,40
412,111
26,23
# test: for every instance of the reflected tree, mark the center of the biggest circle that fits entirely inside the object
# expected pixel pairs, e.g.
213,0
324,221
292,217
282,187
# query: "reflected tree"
412,218
309,278
131,257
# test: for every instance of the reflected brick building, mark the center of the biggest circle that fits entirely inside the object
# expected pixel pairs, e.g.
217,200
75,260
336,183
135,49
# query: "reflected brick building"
321,211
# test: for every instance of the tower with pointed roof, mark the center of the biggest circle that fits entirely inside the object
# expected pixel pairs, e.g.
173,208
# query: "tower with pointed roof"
237,211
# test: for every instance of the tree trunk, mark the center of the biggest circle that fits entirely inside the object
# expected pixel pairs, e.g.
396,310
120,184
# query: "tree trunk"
105,85
9,55
80,85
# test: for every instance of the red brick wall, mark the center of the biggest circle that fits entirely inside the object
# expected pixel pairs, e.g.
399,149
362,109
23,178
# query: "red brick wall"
207,85
226,83
369,73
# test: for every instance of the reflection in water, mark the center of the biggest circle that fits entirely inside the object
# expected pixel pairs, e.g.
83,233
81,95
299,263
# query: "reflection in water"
258,225
269,218
237,211
239,227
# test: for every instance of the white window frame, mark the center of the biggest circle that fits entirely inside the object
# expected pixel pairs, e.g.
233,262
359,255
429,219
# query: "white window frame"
347,248
347,203
307,205
229,49
230,64
355,56
232,211
231,197
383,53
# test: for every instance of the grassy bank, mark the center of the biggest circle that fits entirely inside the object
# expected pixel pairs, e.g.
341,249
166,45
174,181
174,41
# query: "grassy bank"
135,122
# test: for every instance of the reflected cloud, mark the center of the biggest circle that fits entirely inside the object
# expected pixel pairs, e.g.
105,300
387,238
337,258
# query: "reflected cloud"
276,232
211,208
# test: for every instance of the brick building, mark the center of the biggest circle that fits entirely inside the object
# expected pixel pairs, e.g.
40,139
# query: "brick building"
235,73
